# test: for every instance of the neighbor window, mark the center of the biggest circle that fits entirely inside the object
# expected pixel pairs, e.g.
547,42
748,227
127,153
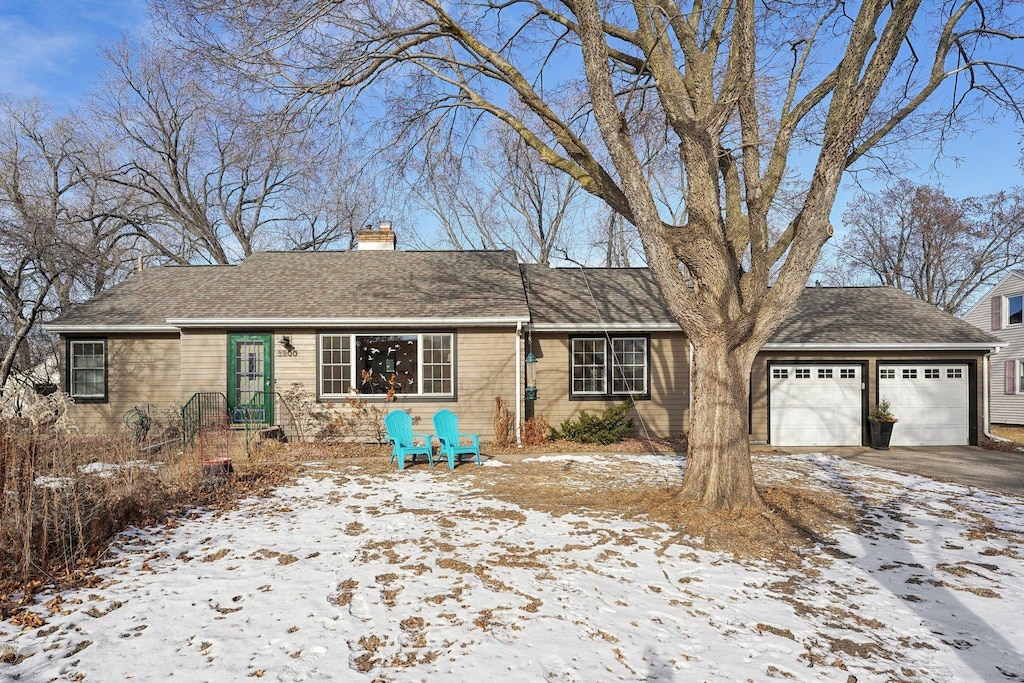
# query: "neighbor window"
609,366
87,369
1015,309
1020,376
410,364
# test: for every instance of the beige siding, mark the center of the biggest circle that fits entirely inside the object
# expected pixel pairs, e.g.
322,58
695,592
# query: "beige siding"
759,378
141,370
1005,408
665,414
165,371
204,361
485,368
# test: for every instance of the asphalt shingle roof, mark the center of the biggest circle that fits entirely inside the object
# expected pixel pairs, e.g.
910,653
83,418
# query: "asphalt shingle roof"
318,285
823,315
620,295
483,284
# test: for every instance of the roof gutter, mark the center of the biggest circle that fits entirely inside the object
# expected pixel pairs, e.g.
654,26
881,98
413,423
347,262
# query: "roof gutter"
886,346
346,322
99,329
604,327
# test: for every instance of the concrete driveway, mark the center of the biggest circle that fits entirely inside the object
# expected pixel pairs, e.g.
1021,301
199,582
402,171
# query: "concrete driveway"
967,465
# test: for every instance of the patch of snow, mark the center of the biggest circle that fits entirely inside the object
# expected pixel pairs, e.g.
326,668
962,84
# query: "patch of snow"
52,482
408,577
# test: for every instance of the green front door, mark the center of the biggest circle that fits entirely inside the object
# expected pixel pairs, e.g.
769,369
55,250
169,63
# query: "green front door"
250,379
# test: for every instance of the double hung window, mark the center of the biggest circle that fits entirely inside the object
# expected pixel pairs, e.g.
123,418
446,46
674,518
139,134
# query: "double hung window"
1015,310
608,367
87,369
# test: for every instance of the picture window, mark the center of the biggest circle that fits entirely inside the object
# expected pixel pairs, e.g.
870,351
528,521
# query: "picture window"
374,364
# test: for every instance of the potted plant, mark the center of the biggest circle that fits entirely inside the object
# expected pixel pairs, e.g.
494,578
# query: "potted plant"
882,420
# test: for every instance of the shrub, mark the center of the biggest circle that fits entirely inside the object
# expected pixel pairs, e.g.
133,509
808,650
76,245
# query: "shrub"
504,423
536,431
882,412
611,426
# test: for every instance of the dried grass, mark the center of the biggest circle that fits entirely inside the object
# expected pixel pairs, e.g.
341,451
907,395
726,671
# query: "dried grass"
65,496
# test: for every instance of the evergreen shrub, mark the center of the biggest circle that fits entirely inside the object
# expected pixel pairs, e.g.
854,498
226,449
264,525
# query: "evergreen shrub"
610,426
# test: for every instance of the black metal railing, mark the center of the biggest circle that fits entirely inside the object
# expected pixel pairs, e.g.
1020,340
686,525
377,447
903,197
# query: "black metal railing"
204,408
261,410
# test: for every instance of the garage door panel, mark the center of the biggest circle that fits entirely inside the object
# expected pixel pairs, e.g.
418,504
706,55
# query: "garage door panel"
931,402
814,405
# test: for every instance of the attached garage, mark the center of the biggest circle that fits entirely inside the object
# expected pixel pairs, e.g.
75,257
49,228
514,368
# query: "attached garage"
932,402
816,404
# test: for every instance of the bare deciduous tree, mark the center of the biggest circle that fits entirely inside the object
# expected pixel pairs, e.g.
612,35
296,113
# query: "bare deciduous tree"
205,169
500,195
739,87
930,245
40,178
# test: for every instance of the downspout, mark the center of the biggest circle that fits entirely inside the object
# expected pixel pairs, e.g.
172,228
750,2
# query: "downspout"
519,384
987,401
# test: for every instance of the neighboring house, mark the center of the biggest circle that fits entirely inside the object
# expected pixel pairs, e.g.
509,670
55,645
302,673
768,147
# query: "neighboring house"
1001,312
455,328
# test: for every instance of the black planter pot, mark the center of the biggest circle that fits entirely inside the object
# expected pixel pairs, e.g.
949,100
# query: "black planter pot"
881,432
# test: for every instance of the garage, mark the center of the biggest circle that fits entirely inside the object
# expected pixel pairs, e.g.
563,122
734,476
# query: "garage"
931,402
816,404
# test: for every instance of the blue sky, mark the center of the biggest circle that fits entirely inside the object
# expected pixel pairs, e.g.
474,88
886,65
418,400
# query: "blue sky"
50,50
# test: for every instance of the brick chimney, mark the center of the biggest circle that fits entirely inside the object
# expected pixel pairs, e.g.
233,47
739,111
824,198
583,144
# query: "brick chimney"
379,239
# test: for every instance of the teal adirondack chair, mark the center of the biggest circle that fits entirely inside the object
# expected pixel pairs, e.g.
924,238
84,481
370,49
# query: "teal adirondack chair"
399,427
446,426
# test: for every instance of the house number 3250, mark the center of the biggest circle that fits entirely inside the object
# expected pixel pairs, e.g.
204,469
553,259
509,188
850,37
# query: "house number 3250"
281,353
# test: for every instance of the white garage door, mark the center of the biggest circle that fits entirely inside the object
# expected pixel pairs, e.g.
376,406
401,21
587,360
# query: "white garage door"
815,405
931,402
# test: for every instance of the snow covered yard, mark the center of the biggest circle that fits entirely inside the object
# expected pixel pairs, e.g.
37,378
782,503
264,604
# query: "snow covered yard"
359,572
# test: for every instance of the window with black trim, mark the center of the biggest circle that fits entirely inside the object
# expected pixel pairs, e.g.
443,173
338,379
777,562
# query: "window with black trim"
87,369
595,372
412,364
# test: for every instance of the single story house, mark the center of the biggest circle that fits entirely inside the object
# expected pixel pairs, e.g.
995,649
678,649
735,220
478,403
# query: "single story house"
453,329
1001,312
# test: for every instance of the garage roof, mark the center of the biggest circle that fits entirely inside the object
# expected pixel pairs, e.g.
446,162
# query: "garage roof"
610,298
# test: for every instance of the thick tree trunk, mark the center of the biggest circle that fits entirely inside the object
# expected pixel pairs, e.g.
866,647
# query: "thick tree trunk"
719,477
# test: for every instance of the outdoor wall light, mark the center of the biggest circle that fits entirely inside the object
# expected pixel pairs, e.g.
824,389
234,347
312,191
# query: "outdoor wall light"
531,377
285,341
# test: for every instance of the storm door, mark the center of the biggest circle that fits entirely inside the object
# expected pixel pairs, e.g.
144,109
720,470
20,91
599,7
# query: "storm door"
250,378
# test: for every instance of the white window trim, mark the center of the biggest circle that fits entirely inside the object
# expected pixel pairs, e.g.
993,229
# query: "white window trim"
320,366
646,365
354,360
71,369
1020,371
1006,310
573,366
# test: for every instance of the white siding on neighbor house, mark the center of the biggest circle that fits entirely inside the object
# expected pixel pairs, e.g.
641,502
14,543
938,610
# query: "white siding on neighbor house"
1005,408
